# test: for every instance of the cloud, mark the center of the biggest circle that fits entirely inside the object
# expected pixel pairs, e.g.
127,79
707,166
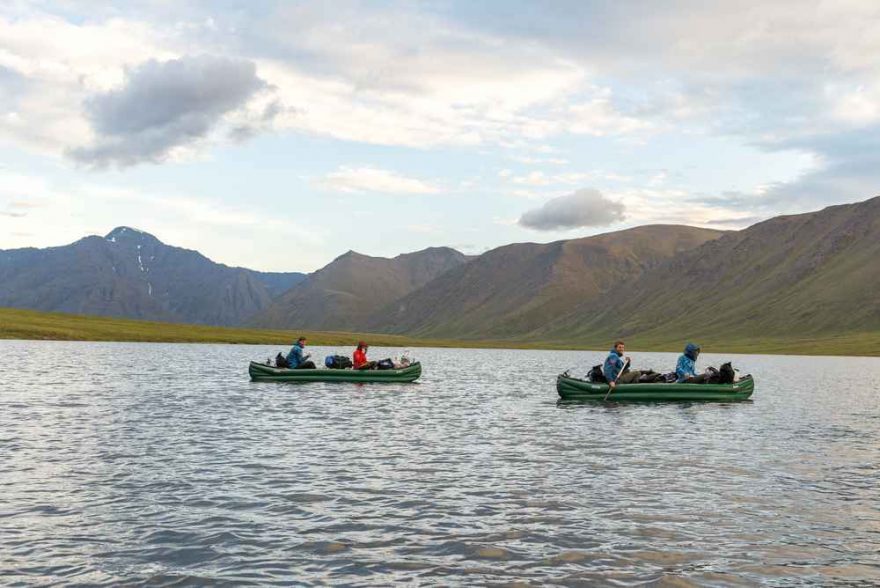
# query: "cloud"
371,179
584,208
164,105
529,160
51,65
846,168
539,178
736,223
18,208
792,74
405,77
14,85
599,117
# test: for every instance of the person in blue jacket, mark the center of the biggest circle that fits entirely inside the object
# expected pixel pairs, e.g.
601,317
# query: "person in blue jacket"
686,368
296,359
616,362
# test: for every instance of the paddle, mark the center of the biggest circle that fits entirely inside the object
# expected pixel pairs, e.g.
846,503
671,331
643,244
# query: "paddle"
569,370
610,387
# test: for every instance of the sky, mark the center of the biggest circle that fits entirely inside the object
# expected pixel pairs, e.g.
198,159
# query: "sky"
279,135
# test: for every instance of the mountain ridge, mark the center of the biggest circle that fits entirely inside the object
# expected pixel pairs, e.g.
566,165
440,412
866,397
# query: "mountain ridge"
131,273
342,294
509,290
812,274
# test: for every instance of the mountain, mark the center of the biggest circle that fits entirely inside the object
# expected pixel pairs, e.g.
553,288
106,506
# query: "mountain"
353,287
516,289
805,275
132,274
809,277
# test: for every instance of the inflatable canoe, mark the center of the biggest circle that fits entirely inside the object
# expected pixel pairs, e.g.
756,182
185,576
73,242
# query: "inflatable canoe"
261,372
570,388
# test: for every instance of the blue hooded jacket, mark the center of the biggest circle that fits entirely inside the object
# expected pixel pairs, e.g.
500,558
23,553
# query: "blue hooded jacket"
613,364
295,357
687,363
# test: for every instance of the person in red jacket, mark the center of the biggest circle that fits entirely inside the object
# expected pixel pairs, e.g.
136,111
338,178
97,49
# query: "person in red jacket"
360,358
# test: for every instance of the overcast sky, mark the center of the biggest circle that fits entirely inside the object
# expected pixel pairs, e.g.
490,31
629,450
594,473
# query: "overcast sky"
278,135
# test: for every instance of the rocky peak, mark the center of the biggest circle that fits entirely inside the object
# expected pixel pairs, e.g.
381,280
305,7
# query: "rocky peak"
130,236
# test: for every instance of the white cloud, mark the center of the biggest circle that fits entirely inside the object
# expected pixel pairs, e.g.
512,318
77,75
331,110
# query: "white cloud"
772,75
859,106
528,160
58,64
403,79
372,179
584,208
598,117
540,178
677,206
469,104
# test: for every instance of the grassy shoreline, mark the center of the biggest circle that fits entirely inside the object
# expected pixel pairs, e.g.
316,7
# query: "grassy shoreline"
55,326
35,325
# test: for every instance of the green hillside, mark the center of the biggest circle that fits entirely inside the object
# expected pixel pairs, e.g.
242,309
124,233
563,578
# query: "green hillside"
344,293
804,277
513,290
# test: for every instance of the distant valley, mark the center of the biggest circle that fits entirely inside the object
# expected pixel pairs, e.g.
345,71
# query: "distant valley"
808,275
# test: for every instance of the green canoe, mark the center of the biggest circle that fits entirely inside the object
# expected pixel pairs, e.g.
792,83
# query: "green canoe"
261,372
570,388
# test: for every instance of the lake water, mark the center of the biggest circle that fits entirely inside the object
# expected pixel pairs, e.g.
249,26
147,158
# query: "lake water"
163,464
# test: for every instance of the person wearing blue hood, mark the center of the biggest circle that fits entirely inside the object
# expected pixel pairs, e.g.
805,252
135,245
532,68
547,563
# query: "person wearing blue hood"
297,359
616,362
686,368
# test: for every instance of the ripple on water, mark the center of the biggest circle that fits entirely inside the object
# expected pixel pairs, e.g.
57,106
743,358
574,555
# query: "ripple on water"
146,475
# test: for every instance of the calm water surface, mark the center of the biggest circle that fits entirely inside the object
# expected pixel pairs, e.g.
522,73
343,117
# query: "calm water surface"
162,464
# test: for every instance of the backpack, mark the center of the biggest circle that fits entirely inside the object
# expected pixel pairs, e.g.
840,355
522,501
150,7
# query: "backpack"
596,375
714,376
650,377
385,364
281,361
726,375
337,362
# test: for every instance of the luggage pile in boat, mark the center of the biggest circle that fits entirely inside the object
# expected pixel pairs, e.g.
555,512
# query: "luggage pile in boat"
720,385
262,372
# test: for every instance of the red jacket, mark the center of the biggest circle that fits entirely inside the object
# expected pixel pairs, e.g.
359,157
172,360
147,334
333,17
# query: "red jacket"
360,358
